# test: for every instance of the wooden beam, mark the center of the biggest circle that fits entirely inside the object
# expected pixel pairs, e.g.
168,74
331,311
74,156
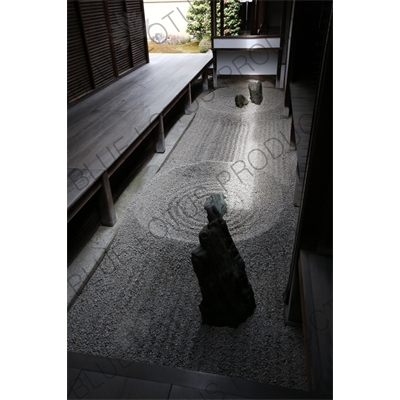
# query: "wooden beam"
107,209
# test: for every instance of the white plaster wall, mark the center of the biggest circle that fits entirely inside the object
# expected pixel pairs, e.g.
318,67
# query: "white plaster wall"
241,42
166,17
242,62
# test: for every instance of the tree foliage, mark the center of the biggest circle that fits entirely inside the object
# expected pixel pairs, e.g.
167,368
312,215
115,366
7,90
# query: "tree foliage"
199,15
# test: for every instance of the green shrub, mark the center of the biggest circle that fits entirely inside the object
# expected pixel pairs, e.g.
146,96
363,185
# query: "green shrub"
204,45
231,17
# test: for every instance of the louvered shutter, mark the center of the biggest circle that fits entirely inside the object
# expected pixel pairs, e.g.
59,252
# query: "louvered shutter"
98,41
137,31
78,81
105,40
120,33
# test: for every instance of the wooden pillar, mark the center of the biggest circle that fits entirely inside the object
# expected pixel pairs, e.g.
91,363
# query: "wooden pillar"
205,79
289,56
213,18
221,17
279,66
213,34
189,96
215,83
254,22
292,137
107,209
160,146
282,36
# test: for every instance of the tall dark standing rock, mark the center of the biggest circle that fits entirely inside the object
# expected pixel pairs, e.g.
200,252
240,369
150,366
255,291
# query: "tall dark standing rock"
228,297
255,89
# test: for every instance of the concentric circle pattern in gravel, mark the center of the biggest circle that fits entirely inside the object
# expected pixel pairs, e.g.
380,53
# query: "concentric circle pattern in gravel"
183,190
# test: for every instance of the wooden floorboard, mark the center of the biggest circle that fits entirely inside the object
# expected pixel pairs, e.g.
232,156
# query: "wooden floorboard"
163,88
103,126
96,121
91,103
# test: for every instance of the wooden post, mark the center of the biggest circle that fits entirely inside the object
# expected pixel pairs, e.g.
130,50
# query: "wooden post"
213,18
215,83
213,34
188,97
160,146
205,79
292,137
107,210
279,66
221,17
282,36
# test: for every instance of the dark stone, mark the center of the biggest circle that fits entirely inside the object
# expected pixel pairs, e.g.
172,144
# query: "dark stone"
218,201
240,100
255,89
228,297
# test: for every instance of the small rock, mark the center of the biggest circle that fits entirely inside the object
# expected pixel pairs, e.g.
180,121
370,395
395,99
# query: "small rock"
240,100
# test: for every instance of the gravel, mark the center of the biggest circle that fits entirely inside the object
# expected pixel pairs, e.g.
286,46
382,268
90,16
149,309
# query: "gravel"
141,304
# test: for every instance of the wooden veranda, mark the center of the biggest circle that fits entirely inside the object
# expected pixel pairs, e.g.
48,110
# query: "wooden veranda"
106,128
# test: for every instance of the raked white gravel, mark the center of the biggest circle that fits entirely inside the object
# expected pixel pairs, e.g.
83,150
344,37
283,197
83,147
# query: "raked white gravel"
142,302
